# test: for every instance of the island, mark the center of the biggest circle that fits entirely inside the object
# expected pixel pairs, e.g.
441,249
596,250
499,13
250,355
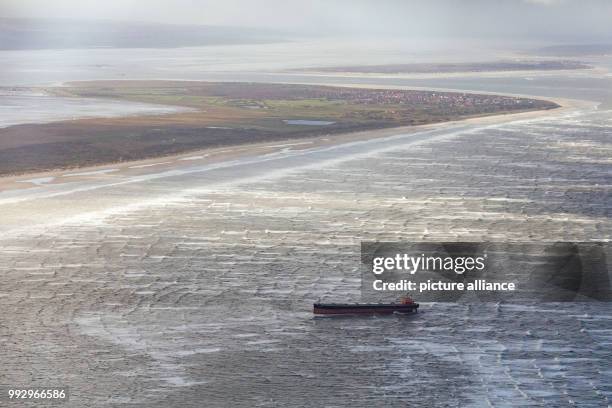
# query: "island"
224,114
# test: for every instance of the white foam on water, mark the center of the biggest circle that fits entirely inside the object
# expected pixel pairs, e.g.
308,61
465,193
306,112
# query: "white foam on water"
193,158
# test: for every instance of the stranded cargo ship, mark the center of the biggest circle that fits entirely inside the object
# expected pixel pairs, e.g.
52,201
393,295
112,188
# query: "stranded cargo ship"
406,305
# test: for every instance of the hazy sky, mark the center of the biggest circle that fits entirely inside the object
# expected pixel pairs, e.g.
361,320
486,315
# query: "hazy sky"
586,20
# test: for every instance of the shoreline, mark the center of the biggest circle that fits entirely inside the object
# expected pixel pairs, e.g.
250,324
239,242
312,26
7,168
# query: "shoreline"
215,155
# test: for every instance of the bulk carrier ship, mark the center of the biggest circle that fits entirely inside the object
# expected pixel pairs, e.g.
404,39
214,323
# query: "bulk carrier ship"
406,305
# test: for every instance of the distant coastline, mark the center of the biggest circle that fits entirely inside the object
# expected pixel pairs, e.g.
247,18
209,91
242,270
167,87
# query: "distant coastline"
450,68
